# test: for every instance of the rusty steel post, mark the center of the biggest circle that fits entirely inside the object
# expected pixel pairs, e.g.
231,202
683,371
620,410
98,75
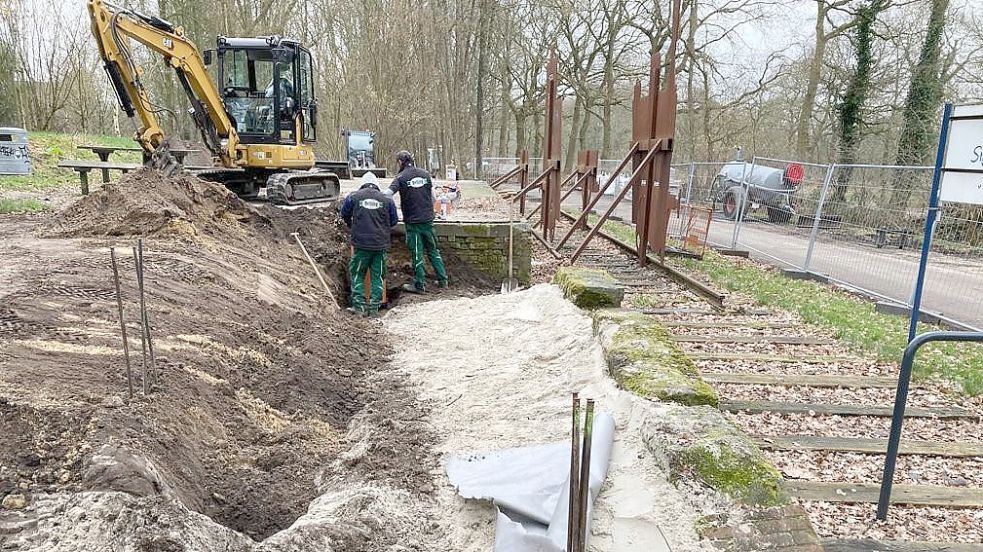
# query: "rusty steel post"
122,322
552,145
603,218
584,480
562,197
143,319
600,193
572,508
654,129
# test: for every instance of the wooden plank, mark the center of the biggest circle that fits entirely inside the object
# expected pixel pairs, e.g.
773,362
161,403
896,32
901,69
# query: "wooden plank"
679,311
724,324
776,339
869,545
789,380
83,164
915,495
756,407
756,357
869,446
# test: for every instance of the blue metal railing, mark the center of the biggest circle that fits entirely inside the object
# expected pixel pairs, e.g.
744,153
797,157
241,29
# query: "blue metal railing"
900,401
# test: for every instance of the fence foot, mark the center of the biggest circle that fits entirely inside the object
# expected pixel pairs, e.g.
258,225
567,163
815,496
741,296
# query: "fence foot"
796,274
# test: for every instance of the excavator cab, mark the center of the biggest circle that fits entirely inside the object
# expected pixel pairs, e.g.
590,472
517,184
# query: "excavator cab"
267,86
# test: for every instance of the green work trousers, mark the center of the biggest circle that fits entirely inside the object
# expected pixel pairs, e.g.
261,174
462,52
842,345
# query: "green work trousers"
373,262
420,239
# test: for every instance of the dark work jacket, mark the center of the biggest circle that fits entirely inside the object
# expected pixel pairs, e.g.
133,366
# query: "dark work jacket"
371,215
415,191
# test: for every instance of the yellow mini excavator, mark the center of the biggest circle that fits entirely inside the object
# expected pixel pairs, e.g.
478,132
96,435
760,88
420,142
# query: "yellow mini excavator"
259,122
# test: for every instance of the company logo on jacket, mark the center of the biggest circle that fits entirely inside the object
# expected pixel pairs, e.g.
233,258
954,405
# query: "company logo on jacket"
370,203
417,182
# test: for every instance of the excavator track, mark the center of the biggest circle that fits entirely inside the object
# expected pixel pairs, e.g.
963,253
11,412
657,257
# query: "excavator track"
298,188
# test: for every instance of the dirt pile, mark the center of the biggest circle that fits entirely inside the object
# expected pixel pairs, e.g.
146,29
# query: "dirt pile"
265,397
145,203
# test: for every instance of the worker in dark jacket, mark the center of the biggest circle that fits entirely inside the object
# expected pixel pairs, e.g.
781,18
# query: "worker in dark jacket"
415,191
370,214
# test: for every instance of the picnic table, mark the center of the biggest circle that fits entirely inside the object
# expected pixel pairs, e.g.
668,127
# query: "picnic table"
83,167
105,151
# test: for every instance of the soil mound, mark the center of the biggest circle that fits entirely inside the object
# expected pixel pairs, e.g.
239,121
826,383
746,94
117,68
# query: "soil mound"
145,203
258,376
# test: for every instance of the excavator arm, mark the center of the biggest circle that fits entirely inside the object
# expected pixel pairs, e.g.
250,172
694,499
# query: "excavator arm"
114,27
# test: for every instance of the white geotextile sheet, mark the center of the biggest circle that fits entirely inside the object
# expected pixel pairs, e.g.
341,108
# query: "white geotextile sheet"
530,487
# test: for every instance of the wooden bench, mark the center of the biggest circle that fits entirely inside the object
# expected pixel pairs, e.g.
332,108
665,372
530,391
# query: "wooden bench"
84,167
105,151
884,235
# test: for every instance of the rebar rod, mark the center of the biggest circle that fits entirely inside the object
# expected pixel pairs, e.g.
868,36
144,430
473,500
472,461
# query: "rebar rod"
122,322
584,480
148,327
143,329
572,516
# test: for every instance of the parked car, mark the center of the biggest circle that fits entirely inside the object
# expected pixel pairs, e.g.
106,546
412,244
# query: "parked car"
755,186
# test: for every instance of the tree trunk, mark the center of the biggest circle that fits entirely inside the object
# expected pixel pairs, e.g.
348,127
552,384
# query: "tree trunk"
812,85
694,21
850,110
479,109
608,101
575,122
520,132
918,126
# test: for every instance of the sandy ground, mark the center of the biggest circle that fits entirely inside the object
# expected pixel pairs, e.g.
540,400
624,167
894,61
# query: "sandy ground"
497,371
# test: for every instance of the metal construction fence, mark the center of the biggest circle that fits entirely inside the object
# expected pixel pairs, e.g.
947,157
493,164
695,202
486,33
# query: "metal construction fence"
859,225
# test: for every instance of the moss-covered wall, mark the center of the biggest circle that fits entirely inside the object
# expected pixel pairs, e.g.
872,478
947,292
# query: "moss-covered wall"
642,359
692,438
485,246
589,288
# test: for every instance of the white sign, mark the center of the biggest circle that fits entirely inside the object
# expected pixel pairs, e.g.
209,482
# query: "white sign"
962,167
962,187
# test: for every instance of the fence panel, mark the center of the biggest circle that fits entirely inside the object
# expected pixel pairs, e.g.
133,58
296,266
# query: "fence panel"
775,207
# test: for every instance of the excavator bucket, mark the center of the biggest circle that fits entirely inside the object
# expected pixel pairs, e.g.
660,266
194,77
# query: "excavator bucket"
163,162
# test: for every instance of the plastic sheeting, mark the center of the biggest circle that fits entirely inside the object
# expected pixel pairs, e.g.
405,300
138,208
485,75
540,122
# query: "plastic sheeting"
530,487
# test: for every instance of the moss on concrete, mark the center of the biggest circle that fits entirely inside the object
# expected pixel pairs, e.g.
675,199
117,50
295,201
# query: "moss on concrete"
643,360
692,437
589,288
701,443
734,466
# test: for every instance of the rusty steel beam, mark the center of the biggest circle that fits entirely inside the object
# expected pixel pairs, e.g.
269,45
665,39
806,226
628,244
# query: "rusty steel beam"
501,180
614,205
600,194
552,145
537,182
715,298
563,197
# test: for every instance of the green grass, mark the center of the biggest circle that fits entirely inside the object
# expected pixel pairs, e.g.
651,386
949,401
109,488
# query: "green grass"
48,148
851,319
8,206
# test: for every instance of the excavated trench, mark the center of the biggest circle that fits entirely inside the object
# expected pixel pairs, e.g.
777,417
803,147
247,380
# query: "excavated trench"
264,397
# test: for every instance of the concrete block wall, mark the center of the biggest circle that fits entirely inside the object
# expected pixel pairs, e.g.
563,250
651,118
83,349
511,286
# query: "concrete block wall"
485,246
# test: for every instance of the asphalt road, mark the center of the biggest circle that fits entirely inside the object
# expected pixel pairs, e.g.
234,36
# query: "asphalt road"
953,284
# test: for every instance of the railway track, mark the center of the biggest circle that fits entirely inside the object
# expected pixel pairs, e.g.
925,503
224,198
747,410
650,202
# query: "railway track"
821,413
